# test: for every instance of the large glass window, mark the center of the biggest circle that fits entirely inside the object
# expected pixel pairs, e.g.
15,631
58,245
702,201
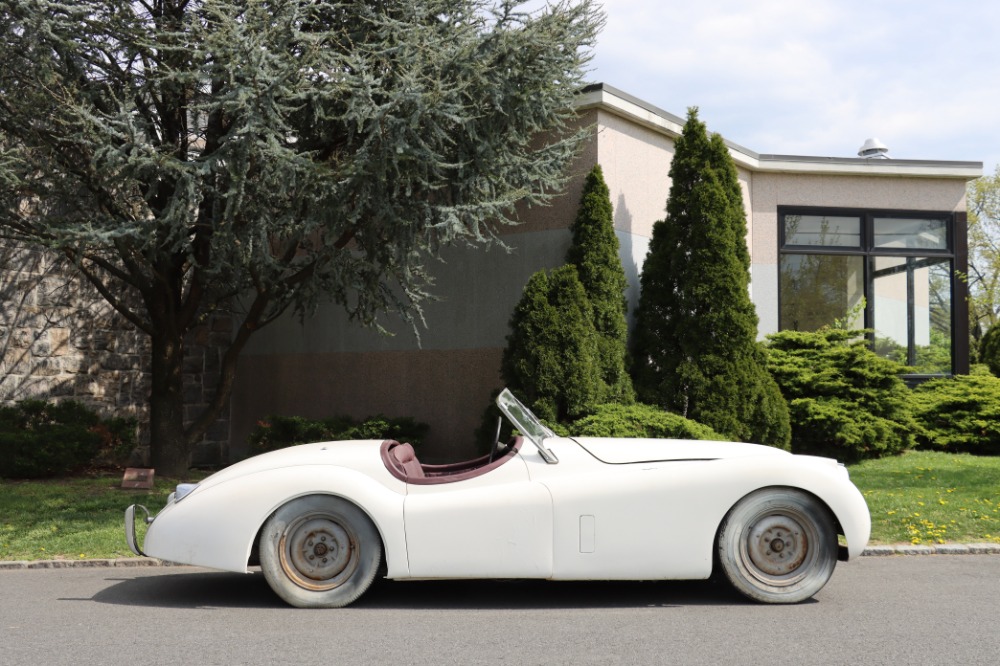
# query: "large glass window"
912,311
819,289
887,272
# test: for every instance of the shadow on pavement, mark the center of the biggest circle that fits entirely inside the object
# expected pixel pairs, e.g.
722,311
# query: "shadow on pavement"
207,589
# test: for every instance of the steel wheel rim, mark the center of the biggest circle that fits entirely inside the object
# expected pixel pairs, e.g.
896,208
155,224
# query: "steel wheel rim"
778,547
319,551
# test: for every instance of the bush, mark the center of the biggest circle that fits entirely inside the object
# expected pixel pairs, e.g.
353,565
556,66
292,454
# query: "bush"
845,401
959,414
638,420
551,359
40,439
279,432
989,350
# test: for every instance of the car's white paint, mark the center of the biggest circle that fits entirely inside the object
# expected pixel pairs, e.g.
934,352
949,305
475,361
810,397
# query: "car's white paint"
216,525
618,451
578,519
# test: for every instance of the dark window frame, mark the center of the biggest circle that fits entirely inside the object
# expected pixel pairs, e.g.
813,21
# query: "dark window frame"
957,253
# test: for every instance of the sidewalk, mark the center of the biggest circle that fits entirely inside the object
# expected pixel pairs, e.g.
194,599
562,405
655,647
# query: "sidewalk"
870,551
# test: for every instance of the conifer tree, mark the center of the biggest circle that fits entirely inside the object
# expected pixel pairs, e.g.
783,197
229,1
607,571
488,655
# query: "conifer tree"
695,348
594,252
195,156
551,357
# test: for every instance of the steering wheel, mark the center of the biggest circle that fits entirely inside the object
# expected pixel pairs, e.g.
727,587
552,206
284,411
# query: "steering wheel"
495,448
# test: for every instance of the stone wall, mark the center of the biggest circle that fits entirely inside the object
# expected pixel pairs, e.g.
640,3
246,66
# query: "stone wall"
60,340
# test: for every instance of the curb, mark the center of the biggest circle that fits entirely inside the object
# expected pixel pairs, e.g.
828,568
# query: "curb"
135,562
939,549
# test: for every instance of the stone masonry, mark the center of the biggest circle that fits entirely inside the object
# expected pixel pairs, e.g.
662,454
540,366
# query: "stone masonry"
60,340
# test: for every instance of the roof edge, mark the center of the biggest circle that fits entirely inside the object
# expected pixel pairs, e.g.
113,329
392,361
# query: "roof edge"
604,97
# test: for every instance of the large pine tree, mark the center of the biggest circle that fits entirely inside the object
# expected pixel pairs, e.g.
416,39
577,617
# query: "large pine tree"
695,349
195,156
594,252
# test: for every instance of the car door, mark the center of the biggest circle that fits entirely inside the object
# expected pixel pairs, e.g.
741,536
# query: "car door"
631,522
498,525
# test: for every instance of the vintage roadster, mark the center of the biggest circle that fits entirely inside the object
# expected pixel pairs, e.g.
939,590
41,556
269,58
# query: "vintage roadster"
323,520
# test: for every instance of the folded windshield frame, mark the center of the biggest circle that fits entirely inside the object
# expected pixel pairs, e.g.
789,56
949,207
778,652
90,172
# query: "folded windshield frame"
527,423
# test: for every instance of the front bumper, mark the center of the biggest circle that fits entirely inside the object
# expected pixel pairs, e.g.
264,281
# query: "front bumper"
130,531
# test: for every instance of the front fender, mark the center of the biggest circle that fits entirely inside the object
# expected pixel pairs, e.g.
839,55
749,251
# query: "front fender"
829,482
216,526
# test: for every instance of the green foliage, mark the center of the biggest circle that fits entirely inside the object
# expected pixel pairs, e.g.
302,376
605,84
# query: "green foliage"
845,401
695,350
40,439
959,414
181,154
594,252
638,420
551,359
278,432
989,350
983,279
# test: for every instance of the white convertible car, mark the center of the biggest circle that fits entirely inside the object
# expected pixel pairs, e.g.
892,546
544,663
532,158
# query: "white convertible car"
323,520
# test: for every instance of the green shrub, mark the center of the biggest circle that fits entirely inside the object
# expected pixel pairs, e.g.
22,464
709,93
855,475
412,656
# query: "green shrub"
551,359
845,401
989,350
278,432
959,414
41,439
638,420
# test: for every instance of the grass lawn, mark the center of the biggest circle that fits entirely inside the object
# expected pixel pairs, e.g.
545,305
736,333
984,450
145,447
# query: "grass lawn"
75,518
925,497
919,497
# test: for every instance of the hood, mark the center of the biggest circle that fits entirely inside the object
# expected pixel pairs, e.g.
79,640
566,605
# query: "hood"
621,451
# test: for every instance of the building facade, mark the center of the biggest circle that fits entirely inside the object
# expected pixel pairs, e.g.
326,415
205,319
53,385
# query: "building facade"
880,243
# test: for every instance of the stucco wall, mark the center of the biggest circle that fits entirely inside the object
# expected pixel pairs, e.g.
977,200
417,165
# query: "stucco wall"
329,366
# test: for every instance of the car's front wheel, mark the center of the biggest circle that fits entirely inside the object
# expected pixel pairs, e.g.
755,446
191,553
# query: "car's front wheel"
778,545
319,552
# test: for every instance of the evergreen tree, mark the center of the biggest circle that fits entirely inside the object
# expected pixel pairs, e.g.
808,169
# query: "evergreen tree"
191,156
551,357
594,252
989,349
695,349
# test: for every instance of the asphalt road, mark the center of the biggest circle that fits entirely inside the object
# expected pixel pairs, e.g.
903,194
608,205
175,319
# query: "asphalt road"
877,610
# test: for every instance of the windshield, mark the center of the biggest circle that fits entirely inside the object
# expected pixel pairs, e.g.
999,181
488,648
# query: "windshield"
527,423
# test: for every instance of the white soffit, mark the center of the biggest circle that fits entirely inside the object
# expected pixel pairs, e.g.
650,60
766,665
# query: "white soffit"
603,97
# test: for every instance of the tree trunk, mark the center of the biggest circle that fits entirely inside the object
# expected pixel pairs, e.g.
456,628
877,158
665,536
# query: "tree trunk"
170,452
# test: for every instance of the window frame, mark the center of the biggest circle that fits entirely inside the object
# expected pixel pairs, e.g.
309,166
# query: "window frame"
956,253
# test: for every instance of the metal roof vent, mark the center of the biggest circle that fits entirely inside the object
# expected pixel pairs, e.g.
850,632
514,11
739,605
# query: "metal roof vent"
874,150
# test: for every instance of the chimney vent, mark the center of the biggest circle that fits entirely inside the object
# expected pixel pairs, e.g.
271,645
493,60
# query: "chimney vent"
874,150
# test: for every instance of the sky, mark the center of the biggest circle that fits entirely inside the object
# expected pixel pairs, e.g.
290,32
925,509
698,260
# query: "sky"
817,77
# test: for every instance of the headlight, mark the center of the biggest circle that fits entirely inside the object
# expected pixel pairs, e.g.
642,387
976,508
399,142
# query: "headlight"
182,491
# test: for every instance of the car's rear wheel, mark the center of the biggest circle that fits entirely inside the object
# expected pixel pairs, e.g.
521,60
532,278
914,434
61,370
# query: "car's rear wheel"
319,552
778,545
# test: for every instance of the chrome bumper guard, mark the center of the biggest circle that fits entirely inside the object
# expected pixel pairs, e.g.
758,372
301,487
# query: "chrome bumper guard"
130,537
